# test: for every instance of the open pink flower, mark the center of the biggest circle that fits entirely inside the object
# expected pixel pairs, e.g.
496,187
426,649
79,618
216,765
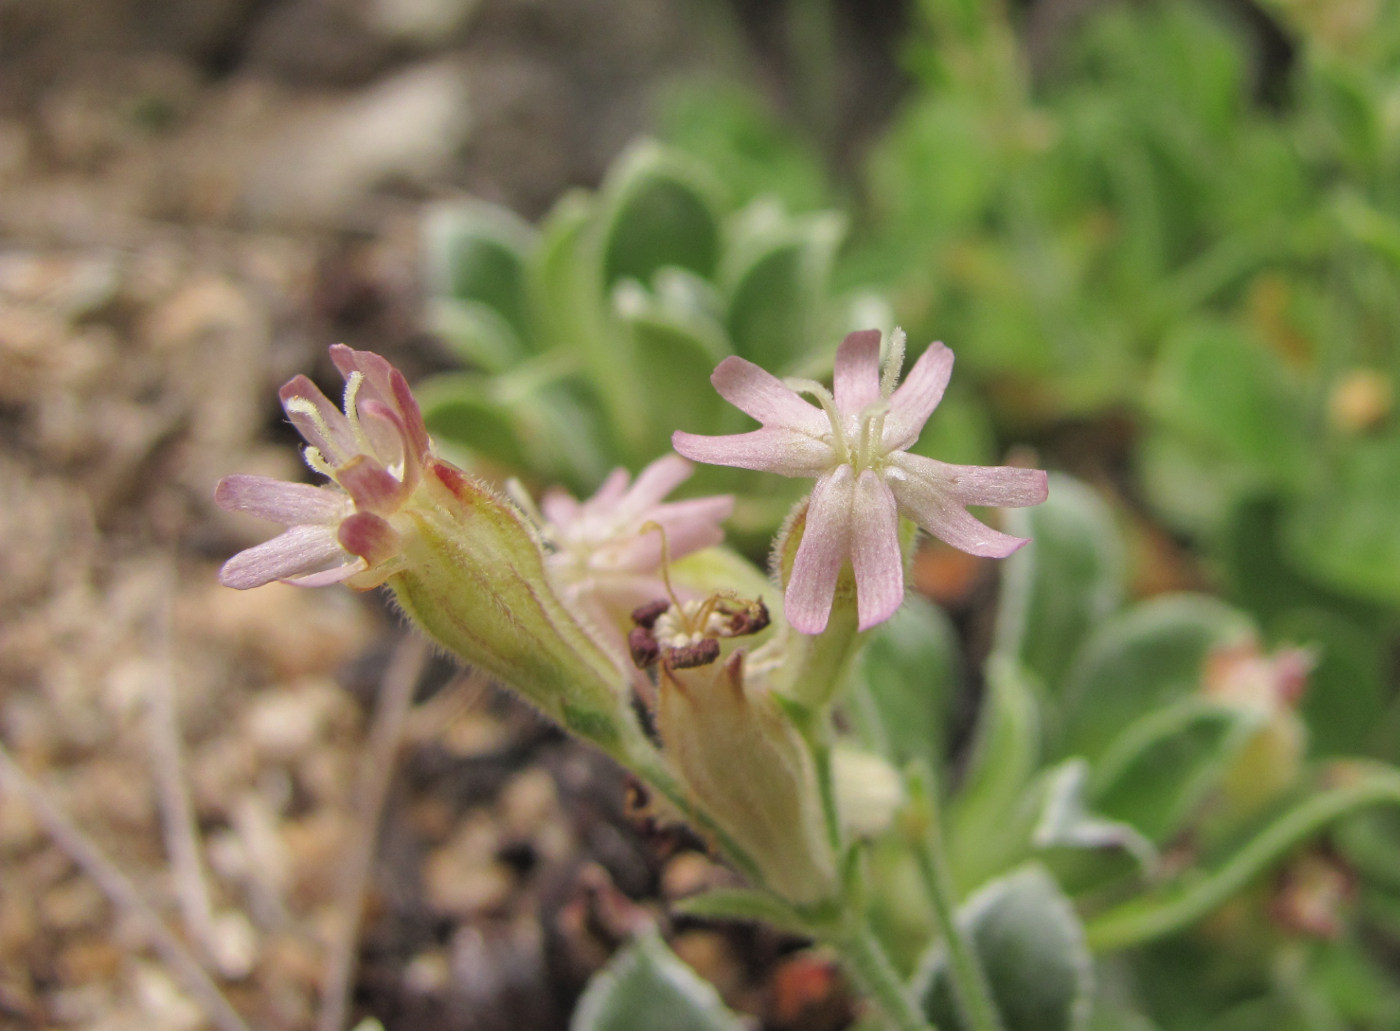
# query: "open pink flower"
854,444
606,554
373,451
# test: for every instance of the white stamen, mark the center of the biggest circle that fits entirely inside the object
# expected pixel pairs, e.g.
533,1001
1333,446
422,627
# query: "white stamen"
302,406
894,363
839,444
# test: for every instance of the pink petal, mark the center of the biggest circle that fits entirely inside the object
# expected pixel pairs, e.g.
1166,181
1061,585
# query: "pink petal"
653,484
930,504
278,500
773,449
826,543
612,491
1004,486
370,537
383,426
412,415
757,392
298,550
856,380
337,443
916,398
376,370
876,557
560,507
326,577
689,525
372,486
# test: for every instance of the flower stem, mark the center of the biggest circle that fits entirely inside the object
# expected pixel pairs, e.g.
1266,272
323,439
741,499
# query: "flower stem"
872,969
1149,917
971,992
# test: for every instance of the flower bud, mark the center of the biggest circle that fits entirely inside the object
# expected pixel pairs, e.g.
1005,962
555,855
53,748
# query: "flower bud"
1267,688
744,764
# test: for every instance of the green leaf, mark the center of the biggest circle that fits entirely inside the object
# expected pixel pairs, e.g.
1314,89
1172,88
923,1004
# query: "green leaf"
743,904
521,422
1062,584
907,673
645,987
673,355
1159,770
478,252
1345,531
1141,659
659,213
1066,820
775,277
1031,945
478,334
1229,398
984,835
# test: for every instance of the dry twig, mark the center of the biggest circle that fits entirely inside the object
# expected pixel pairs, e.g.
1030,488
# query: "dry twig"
376,771
123,894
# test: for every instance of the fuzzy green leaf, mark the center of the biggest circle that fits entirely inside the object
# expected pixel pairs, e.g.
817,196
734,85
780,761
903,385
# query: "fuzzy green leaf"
1032,948
645,987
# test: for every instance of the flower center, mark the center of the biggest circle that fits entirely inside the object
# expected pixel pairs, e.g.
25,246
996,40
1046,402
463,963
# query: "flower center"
855,441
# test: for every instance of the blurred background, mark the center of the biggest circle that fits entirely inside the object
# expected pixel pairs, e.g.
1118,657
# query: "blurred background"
1162,237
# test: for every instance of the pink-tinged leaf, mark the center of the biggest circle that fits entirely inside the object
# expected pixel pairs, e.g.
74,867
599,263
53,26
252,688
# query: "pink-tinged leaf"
278,500
760,394
932,507
916,398
856,380
370,537
825,546
876,557
1003,486
301,549
327,430
773,449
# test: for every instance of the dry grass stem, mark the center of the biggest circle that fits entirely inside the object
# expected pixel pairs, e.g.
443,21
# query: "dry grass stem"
123,894
182,841
376,772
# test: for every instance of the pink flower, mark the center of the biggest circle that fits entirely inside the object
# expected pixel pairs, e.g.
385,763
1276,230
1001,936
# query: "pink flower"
606,553
374,452
854,444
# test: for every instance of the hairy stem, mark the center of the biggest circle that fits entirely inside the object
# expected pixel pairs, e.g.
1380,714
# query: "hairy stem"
1162,913
971,991
872,969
